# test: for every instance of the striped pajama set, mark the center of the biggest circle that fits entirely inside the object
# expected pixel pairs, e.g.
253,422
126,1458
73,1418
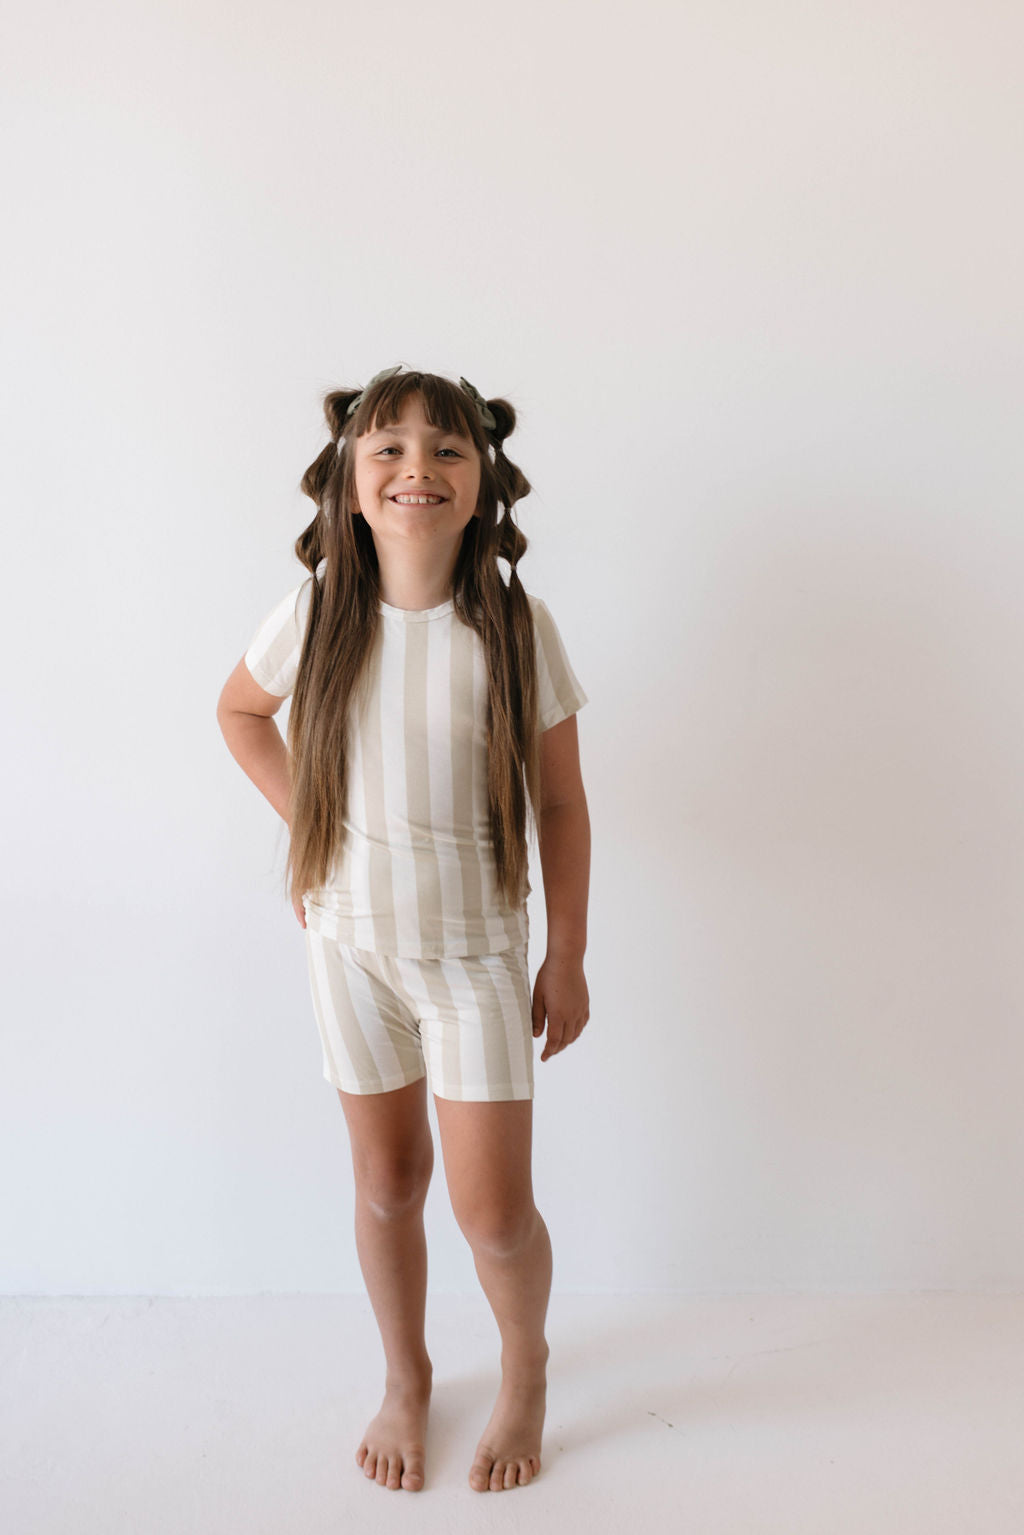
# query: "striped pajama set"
417,965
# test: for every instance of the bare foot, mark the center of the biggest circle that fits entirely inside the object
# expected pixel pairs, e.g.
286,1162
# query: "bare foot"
392,1450
508,1455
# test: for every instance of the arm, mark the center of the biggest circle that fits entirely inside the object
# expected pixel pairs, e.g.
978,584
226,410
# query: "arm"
563,831
243,713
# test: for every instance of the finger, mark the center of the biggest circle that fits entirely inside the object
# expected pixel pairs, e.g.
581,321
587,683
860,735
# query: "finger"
538,1015
555,1040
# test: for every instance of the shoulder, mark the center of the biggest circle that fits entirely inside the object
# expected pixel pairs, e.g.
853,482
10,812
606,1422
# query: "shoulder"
543,623
538,607
292,612
300,591
273,653
300,596
559,690
304,591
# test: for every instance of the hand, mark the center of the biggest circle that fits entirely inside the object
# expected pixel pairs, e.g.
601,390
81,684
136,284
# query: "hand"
560,991
299,910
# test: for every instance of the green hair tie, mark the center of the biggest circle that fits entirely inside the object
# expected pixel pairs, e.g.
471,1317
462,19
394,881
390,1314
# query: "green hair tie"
486,414
384,373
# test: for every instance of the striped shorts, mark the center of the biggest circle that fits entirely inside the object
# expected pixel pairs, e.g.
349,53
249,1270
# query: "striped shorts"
465,1022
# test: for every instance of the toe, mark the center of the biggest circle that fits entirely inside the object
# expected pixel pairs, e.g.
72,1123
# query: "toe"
382,1470
361,1454
498,1475
480,1473
370,1463
412,1476
395,1472
511,1473
525,1473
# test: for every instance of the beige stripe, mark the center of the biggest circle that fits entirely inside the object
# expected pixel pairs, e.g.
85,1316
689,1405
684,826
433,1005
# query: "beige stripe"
343,1040
417,773
498,1074
444,708
381,895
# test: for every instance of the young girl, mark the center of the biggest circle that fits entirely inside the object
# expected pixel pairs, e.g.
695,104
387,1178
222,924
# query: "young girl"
433,712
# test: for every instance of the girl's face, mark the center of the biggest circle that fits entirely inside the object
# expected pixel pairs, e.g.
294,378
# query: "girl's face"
413,458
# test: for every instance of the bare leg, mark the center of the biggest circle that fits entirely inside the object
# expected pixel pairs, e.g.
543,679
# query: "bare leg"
392,1158
487,1151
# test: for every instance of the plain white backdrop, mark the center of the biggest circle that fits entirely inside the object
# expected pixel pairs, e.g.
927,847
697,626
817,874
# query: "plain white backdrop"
751,276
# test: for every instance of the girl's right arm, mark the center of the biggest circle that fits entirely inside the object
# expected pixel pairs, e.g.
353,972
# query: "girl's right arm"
243,713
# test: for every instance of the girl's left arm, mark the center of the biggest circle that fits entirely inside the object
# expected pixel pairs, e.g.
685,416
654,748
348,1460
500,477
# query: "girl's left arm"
563,834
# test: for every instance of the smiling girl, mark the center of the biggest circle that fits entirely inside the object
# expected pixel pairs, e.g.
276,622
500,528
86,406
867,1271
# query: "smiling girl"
433,721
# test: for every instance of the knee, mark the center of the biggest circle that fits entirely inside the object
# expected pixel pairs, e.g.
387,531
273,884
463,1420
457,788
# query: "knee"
393,1189
500,1233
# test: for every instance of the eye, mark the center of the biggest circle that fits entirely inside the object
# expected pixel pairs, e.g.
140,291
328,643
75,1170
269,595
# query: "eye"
392,449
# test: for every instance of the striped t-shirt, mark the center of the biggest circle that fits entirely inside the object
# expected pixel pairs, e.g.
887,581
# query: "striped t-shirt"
416,875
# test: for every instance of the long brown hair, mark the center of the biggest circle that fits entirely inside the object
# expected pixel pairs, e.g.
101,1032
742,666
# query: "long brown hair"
344,613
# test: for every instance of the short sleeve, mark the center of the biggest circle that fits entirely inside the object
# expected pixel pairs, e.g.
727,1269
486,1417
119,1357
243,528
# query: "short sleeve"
276,647
558,691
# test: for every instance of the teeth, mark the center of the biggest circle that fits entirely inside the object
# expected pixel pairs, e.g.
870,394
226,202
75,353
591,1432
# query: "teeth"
418,500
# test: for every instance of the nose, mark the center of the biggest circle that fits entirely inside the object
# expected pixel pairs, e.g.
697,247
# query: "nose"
415,471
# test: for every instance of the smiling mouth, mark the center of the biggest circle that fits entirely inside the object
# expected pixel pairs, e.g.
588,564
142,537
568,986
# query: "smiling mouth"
412,500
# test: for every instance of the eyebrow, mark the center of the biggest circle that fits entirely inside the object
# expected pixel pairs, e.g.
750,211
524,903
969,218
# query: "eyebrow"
401,431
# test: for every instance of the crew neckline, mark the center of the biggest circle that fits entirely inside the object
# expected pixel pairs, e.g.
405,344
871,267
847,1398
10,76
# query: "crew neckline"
408,615
416,615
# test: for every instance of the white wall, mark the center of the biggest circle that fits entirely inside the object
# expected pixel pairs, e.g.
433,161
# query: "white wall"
751,274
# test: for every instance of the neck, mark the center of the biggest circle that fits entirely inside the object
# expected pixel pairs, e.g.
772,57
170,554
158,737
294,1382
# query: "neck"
416,579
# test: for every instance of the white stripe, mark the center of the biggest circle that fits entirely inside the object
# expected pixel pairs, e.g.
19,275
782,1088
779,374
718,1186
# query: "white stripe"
472,1061
322,1003
273,653
379,1044
440,639
411,973
510,1007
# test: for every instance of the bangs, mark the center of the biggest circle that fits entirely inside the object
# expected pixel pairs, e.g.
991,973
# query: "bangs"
445,405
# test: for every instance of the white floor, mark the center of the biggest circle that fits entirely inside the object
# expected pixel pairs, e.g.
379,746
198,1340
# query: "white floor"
757,1415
